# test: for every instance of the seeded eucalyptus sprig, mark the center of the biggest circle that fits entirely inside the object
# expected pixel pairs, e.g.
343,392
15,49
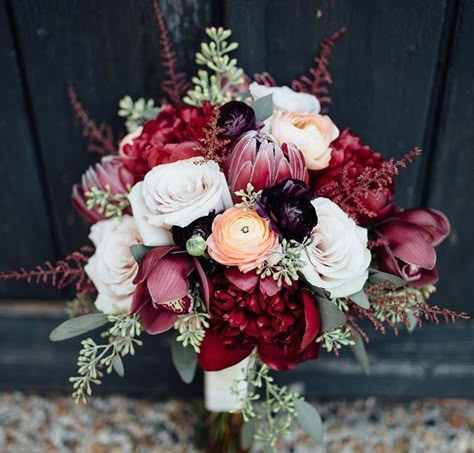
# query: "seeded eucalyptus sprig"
137,112
334,340
107,203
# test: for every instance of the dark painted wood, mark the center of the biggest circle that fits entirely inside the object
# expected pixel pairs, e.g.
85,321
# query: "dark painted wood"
383,68
24,212
410,365
108,49
451,180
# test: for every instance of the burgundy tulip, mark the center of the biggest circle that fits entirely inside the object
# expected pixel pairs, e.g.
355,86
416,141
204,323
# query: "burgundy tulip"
257,159
109,174
162,293
410,238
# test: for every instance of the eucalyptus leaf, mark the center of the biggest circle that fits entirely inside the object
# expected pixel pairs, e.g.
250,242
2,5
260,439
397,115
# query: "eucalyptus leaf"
117,364
247,433
361,299
139,251
309,419
78,326
331,316
263,107
184,360
376,276
360,354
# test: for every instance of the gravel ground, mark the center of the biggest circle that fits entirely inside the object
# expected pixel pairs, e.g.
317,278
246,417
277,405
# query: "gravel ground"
31,424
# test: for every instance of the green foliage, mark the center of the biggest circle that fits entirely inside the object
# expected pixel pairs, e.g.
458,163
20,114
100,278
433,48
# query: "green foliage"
184,360
215,86
334,340
82,304
263,107
249,196
78,326
278,410
96,359
287,268
137,112
107,203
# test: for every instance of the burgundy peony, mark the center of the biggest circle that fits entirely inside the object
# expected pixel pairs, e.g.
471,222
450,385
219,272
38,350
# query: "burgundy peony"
109,174
410,238
162,293
288,206
349,158
248,313
236,118
257,159
172,136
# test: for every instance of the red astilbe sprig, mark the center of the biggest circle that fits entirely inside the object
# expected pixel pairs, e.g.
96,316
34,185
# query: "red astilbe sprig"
100,136
320,79
372,179
176,84
63,273
212,145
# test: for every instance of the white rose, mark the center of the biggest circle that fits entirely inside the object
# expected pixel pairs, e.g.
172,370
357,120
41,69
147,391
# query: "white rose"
112,267
177,194
337,259
284,98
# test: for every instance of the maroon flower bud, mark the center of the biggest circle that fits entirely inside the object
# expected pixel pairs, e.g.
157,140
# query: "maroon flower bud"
236,118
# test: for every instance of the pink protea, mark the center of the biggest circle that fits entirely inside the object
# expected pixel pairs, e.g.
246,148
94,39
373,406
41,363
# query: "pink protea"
257,159
108,175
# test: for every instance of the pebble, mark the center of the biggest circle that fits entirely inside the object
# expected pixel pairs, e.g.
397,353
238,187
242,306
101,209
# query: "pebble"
116,424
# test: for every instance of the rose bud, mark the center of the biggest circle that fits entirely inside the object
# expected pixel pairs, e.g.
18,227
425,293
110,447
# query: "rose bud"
236,118
288,206
410,238
196,245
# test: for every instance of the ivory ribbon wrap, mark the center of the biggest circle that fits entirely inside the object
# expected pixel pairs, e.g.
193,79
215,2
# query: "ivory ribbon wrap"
217,388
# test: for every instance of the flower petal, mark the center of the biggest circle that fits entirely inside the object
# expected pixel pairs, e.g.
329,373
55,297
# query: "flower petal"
149,261
313,320
244,281
156,321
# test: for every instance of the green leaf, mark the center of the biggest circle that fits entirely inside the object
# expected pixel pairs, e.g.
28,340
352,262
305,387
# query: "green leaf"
139,251
309,419
185,361
331,316
117,364
361,299
360,353
413,321
263,107
78,326
376,276
247,433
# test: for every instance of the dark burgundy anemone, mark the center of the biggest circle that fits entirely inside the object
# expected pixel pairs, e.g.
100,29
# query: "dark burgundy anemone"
288,206
200,227
236,118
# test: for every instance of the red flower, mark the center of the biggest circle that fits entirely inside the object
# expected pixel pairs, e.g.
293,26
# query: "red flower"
349,158
172,136
162,292
410,238
248,313
109,174
257,159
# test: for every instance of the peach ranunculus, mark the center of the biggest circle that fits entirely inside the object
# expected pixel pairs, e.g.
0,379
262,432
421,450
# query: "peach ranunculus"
311,133
240,237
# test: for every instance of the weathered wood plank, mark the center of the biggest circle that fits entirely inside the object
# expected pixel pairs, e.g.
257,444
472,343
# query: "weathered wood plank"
25,216
383,68
108,49
418,364
451,180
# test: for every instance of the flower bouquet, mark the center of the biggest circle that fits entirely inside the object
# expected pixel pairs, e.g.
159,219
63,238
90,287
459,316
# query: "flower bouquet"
237,215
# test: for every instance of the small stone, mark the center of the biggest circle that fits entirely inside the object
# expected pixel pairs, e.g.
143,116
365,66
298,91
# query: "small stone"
456,419
401,445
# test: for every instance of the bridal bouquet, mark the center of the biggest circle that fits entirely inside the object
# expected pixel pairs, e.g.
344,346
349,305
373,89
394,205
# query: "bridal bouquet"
237,215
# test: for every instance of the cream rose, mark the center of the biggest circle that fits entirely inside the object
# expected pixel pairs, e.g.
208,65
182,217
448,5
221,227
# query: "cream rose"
176,194
284,98
337,259
312,134
112,267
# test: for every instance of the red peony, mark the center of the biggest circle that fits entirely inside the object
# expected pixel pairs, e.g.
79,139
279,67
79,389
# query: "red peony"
108,174
410,238
248,313
172,136
349,158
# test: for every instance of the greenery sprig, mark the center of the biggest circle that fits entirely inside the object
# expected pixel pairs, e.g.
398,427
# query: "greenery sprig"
96,359
334,340
106,202
137,112
214,56
248,196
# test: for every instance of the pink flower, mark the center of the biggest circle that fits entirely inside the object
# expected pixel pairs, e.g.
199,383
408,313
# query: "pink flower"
109,174
257,159
162,293
410,239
